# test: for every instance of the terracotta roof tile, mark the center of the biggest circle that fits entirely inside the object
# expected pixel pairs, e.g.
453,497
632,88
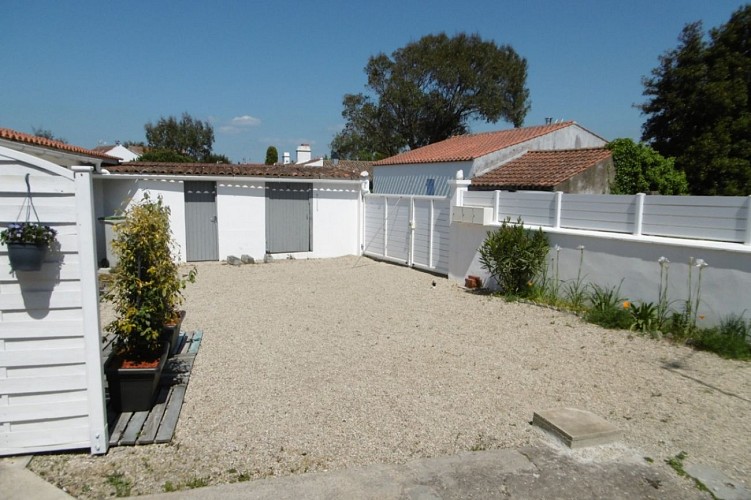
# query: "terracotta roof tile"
469,147
537,169
15,136
238,170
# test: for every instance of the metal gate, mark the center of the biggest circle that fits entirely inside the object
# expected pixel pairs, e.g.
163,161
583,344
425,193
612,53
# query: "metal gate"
288,217
200,221
410,230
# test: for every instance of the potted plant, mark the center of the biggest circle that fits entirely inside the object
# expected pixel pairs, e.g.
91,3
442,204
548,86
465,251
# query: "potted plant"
146,292
27,244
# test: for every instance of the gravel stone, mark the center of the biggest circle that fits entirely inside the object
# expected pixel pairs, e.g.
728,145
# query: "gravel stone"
313,365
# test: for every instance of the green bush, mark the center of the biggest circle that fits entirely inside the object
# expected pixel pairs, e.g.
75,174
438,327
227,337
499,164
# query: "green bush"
514,256
729,340
609,309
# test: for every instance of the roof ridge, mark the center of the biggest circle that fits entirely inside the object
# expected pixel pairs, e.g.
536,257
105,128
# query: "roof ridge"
34,140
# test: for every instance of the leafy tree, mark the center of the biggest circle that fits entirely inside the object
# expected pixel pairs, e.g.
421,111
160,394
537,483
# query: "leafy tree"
187,137
272,156
47,134
428,91
641,169
165,155
216,158
699,106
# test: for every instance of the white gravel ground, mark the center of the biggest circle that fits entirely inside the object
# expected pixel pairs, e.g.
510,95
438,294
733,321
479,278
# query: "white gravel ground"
330,364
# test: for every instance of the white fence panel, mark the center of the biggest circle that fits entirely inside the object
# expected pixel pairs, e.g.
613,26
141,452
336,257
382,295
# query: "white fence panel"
375,222
441,235
397,228
423,233
479,199
534,207
598,212
721,218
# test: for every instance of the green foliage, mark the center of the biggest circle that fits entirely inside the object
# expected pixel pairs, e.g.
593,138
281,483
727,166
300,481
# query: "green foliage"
122,486
514,256
641,169
272,155
216,158
47,134
165,155
430,90
699,106
28,232
187,137
147,285
644,318
607,308
730,340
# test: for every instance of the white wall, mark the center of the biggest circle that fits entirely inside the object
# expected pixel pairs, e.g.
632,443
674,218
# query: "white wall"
412,179
241,219
335,214
610,258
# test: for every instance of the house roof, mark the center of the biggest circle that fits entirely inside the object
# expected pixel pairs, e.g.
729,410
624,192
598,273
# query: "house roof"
238,170
471,146
536,169
15,136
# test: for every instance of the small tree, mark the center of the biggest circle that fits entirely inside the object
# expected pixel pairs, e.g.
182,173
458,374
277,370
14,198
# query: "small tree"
272,156
514,256
146,288
641,169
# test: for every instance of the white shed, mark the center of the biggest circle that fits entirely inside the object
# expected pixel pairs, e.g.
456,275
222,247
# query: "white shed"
51,381
223,210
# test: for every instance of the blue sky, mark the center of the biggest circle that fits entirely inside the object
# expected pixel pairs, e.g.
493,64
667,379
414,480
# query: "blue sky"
274,72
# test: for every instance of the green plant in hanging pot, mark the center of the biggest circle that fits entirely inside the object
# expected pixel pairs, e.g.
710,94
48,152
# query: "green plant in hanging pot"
146,292
27,243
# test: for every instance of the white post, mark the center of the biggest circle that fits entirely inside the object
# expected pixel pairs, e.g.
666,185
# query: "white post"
457,188
362,207
497,206
639,214
747,240
557,201
98,432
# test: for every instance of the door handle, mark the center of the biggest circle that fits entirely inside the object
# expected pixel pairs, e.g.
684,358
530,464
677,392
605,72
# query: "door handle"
212,218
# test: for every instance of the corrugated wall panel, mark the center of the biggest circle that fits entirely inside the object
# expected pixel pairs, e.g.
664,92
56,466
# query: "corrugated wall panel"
288,217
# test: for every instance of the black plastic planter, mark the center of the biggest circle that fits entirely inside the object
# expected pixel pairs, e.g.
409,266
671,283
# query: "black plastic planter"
26,256
134,389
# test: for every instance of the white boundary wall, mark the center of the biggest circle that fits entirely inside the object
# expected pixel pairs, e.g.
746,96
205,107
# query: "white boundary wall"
51,380
611,258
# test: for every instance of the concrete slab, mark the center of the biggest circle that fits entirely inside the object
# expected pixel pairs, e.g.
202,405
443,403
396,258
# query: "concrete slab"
576,428
718,483
19,483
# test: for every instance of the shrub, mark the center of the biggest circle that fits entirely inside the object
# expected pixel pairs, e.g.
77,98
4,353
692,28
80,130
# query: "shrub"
645,318
146,288
730,340
609,309
514,256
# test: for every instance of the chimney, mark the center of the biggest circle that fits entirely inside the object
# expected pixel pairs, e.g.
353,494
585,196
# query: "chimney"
303,153
285,158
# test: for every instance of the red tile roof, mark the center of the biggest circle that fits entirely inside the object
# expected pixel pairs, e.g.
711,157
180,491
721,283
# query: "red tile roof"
537,169
242,170
15,136
469,147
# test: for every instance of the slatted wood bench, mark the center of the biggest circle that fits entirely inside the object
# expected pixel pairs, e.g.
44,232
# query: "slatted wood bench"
157,425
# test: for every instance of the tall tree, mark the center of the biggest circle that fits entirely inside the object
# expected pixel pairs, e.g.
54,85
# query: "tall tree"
699,106
187,137
428,91
641,169
272,155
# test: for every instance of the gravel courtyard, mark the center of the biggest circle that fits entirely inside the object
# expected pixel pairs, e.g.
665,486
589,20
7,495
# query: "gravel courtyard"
330,364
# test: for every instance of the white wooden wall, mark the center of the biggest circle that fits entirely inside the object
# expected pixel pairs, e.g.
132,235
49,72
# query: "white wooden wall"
410,230
51,384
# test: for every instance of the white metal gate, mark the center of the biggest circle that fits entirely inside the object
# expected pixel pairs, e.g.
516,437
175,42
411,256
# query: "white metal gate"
410,230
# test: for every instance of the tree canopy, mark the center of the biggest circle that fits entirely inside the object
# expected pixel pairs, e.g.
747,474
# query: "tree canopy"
641,169
187,137
272,155
428,91
699,106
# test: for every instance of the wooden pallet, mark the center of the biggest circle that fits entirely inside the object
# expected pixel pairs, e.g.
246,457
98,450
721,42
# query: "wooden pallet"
158,425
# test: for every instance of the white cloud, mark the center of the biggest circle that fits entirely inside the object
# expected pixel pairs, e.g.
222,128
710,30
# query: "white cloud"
245,121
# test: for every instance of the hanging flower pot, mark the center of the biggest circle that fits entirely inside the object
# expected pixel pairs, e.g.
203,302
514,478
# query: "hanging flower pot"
27,244
26,256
